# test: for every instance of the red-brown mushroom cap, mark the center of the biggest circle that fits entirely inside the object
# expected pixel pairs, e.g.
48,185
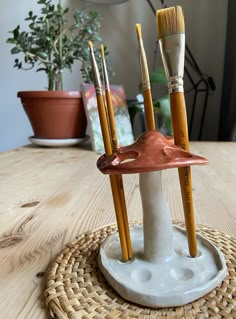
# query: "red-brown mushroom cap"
150,152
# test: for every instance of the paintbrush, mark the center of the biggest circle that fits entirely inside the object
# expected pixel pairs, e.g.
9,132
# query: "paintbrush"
114,140
108,150
146,87
171,34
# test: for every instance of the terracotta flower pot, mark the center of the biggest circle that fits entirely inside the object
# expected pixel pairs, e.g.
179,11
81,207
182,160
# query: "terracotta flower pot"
55,114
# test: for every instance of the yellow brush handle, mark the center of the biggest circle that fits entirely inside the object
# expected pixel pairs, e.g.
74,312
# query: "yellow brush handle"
149,114
119,216
115,186
179,120
111,121
125,215
119,179
180,128
187,197
104,125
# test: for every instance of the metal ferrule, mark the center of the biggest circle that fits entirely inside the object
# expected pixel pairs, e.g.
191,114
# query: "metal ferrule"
144,68
96,76
172,51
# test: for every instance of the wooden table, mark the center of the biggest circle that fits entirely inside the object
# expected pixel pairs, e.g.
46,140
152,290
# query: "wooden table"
49,196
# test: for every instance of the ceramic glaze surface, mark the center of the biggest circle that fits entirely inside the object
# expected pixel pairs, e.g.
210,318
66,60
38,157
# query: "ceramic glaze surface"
174,282
150,152
162,273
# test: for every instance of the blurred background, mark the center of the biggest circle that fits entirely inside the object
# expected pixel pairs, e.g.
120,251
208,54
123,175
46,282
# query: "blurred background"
206,24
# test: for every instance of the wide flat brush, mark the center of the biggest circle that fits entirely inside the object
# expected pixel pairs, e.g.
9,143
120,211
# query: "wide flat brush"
171,34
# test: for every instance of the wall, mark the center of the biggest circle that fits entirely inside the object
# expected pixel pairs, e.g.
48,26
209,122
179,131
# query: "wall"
227,125
206,23
205,36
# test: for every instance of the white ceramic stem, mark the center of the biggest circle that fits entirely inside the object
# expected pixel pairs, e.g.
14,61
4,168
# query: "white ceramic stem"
157,226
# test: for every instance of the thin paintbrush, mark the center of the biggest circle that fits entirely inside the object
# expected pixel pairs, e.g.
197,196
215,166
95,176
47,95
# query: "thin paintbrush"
147,95
171,33
108,96
114,140
108,151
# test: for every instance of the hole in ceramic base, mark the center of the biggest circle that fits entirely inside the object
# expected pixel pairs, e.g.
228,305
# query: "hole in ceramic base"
126,262
181,273
141,275
175,282
185,252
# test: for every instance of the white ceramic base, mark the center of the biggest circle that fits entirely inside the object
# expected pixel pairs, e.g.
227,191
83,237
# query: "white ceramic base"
56,142
173,282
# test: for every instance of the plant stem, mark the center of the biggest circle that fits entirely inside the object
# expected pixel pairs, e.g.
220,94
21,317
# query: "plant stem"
50,84
61,77
51,80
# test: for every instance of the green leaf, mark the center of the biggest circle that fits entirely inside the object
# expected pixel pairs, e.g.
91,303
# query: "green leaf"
15,50
30,16
164,103
159,77
41,69
11,40
16,32
41,55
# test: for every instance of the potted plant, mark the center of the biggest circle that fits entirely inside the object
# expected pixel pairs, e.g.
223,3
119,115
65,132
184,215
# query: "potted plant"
53,43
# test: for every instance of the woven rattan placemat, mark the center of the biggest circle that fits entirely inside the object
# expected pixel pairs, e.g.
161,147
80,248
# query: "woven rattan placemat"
76,288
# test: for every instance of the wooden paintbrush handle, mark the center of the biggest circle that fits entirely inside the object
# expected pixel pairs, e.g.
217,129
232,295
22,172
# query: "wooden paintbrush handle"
149,113
180,128
187,198
119,216
179,120
119,179
125,215
113,179
112,122
104,125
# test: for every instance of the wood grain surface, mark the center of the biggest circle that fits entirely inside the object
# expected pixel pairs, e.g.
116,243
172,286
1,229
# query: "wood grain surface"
49,196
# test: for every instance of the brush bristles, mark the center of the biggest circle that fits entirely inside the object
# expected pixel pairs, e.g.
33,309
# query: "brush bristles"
102,51
170,21
90,44
139,31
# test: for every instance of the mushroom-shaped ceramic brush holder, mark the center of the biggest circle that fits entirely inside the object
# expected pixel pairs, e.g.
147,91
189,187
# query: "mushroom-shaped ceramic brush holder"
161,273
